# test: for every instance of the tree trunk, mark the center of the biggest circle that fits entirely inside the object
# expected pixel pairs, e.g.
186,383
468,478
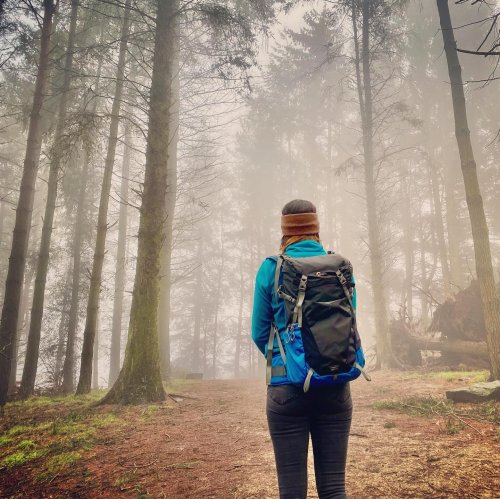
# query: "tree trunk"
140,377
472,348
61,336
237,352
166,277
17,260
68,384
33,345
95,368
408,242
375,249
218,299
197,307
23,317
84,382
120,269
424,300
439,226
484,268
452,224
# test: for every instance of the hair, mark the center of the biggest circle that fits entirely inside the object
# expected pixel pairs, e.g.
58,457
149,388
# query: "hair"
298,206
295,207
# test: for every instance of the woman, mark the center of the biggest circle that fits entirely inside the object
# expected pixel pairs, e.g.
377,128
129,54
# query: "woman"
323,412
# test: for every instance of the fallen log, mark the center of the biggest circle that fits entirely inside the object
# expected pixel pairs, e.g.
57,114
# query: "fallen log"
472,348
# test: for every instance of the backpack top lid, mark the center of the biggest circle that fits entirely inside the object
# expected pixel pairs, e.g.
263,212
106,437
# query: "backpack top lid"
320,263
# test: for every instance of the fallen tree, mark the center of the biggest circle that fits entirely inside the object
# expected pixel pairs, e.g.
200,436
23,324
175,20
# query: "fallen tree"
477,349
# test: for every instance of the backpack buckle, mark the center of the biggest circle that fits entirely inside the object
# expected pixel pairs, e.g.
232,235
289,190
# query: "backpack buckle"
289,334
341,277
303,283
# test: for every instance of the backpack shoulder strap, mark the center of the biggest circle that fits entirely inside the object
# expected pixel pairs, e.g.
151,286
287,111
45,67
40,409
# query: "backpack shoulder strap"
279,262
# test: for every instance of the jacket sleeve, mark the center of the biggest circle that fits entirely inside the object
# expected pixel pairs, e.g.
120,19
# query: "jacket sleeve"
262,315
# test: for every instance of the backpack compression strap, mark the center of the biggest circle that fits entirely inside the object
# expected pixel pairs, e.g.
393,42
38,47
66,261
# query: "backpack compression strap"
343,283
276,370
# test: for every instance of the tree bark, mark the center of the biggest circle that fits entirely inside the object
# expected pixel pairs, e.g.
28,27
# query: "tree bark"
61,336
480,235
17,260
375,250
95,368
140,377
452,224
237,352
197,307
33,345
408,243
166,276
473,348
21,326
120,269
85,380
68,384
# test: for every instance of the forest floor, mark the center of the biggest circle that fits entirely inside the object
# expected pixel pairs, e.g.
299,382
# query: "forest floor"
406,442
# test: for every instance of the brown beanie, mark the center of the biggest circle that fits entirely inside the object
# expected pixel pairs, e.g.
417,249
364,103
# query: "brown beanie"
298,224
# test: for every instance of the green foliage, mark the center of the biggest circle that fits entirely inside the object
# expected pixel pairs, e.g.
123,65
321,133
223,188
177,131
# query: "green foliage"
59,462
389,424
26,445
5,441
21,457
72,430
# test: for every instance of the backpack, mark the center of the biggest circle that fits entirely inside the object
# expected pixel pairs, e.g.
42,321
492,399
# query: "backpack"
321,344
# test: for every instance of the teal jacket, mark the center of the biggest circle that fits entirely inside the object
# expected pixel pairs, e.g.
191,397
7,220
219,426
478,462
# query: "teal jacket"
265,306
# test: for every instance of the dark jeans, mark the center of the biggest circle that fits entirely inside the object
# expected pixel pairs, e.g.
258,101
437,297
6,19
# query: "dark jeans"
324,413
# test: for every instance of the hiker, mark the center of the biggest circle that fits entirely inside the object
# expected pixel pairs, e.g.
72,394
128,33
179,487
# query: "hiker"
312,404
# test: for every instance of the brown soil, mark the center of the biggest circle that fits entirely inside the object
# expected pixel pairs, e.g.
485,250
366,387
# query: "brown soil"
216,445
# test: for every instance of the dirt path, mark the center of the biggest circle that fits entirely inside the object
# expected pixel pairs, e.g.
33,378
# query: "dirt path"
216,445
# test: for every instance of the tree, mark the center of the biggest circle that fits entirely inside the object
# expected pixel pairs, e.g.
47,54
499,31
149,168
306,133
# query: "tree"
32,349
140,377
76,246
85,380
17,260
480,235
120,270
171,198
363,60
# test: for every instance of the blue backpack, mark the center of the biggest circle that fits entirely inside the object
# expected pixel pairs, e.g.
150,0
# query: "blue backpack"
321,344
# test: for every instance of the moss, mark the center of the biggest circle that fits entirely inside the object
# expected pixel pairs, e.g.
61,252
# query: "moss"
21,457
60,462
18,429
61,440
5,441
26,445
105,419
